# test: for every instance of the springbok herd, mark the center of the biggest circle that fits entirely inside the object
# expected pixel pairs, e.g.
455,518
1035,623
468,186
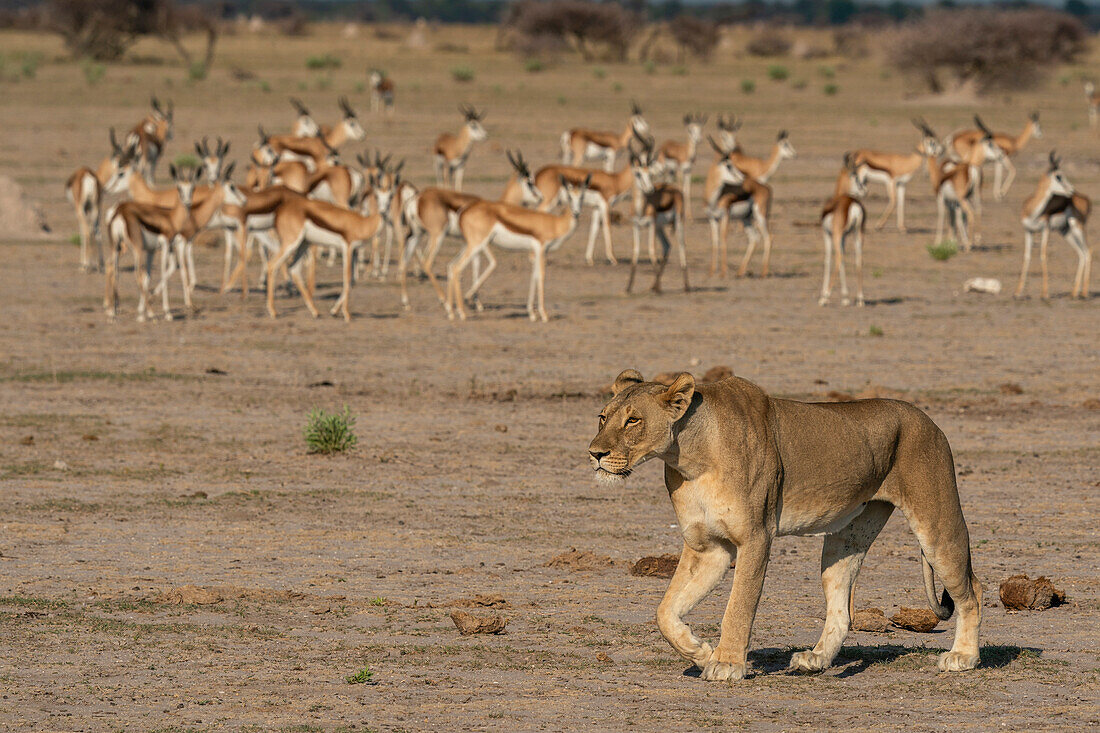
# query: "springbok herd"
299,202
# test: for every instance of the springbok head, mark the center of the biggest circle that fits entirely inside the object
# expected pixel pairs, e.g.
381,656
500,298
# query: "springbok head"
930,145
694,124
306,126
212,159
185,179
352,128
637,122
786,150
473,121
532,196
730,174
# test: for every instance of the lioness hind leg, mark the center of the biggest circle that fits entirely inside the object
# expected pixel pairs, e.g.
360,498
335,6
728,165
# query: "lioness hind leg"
841,558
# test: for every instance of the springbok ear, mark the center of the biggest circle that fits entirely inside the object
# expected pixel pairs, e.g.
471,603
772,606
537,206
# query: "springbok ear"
626,378
679,393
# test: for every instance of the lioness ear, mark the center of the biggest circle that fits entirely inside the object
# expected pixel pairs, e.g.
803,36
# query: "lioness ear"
679,393
627,378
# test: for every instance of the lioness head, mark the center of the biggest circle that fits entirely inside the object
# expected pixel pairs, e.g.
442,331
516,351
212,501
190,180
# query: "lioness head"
637,423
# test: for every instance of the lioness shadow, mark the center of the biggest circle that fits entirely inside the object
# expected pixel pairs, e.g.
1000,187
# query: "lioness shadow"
855,659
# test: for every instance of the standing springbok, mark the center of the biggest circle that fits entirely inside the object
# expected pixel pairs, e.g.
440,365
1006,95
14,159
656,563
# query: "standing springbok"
382,91
679,158
958,191
580,144
432,214
146,229
1093,100
761,169
960,144
85,189
661,205
895,170
151,135
844,216
733,195
512,228
314,149
1056,205
451,151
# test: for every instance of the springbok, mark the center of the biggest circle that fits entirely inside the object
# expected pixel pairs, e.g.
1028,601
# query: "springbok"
305,125
151,135
661,205
1056,205
512,228
451,151
145,229
844,216
381,92
960,144
958,191
895,170
761,169
733,195
580,144
84,189
432,214
1093,100
679,158
314,149
301,223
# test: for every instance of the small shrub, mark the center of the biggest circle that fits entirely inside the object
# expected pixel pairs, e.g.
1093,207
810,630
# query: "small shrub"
93,71
265,86
800,84
533,66
360,86
462,74
187,160
562,100
599,72
324,83
679,70
329,433
830,89
650,67
826,71
778,72
875,331
748,86
196,71
379,601
767,43
694,35
324,61
447,47
943,250
616,87
30,64
74,239
363,677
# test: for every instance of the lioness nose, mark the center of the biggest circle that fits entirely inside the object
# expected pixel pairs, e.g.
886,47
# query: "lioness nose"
598,454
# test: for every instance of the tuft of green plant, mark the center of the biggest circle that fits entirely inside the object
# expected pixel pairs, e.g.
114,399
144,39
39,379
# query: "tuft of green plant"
533,66
778,72
826,71
875,331
74,239
324,61
265,86
748,86
379,601
679,70
93,71
830,89
30,64
616,87
324,83
799,84
329,433
187,160
360,86
363,677
599,72
562,100
462,73
944,249
196,71
650,67
877,272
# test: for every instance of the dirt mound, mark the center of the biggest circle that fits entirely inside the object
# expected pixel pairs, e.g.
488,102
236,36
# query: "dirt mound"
1020,593
209,595
717,373
19,216
491,600
921,620
579,561
655,566
870,619
468,624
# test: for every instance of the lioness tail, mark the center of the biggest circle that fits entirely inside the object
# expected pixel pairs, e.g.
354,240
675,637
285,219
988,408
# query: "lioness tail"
946,606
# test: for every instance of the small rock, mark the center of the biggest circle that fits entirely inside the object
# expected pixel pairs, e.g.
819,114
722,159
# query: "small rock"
90,437
1020,593
1091,404
655,566
989,285
870,619
717,373
1010,388
921,620
468,624
501,428
28,440
604,657
60,465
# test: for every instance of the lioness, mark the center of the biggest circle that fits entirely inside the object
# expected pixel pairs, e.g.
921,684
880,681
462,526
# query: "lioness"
743,468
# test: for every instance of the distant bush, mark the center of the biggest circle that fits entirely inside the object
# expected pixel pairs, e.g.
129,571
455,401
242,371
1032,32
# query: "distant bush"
462,73
324,61
533,66
583,25
748,86
851,42
830,89
769,42
650,67
29,65
987,48
694,35
778,72
943,250
93,71
329,433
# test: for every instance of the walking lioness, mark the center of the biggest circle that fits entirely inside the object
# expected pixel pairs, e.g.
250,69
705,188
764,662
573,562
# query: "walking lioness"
743,468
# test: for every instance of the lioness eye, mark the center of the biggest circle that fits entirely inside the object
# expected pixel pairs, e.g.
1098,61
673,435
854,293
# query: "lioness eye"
602,420
633,421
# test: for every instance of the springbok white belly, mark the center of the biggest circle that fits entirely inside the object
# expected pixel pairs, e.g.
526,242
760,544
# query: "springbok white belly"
592,150
260,222
505,238
322,237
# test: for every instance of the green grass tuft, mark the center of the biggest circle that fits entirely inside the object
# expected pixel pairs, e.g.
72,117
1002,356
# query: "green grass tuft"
943,250
463,73
187,160
875,331
324,61
778,72
329,433
748,86
363,677
830,90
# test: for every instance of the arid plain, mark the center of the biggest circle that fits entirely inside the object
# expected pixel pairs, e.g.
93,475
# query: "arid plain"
137,459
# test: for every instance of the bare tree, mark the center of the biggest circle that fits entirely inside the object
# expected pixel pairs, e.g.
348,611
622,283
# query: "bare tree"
694,35
580,23
987,49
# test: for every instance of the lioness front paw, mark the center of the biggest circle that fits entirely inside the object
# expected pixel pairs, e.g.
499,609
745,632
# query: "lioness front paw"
722,667
957,661
808,661
701,657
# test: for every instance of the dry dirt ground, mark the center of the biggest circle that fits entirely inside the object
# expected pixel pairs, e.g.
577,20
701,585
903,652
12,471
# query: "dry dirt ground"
136,459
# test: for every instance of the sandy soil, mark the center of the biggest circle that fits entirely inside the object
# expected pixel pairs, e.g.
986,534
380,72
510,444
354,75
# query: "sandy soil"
136,459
